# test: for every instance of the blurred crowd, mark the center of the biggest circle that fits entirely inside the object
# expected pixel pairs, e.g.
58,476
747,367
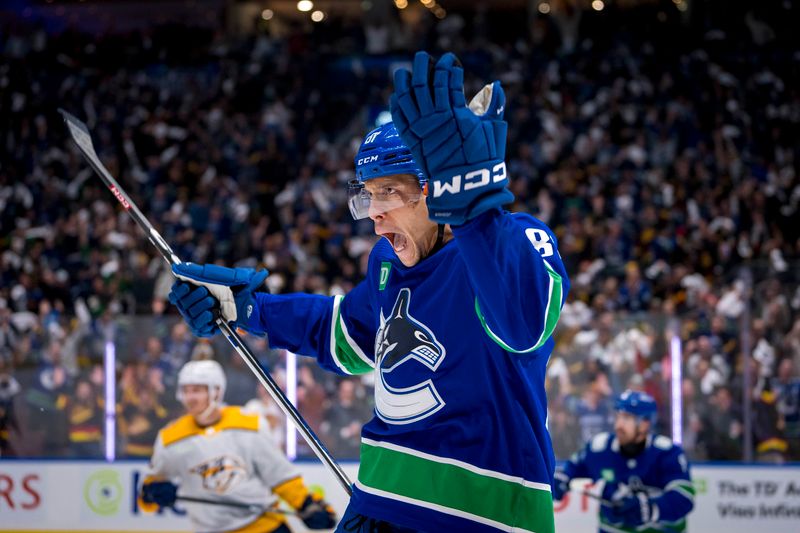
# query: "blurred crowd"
667,168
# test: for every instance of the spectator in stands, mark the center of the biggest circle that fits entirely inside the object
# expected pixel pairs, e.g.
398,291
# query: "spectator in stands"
139,424
85,416
768,438
264,405
344,417
311,398
593,410
9,389
721,431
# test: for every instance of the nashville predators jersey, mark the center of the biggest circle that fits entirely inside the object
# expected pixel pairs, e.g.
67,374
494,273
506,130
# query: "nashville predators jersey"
232,460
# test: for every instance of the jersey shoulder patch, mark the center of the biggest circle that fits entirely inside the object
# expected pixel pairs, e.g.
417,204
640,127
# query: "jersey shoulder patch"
662,443
599,442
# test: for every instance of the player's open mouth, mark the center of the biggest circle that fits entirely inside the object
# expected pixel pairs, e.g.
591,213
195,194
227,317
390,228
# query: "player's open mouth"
398,240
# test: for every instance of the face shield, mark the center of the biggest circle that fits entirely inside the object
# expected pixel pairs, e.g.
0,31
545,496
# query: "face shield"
379,200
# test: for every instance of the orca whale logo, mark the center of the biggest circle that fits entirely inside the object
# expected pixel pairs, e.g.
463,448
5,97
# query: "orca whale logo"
400,339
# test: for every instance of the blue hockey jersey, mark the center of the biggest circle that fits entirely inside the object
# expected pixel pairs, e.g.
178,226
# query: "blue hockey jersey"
458,344
661,470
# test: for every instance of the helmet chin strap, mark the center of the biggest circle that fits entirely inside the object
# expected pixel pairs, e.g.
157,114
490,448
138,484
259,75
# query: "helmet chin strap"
439,240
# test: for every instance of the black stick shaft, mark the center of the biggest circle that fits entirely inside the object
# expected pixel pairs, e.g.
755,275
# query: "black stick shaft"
255,508
80,134
596,497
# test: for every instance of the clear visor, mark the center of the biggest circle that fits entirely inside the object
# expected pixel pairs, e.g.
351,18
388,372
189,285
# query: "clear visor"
381,200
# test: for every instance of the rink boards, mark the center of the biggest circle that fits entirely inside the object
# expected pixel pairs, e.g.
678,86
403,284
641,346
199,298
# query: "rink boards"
99,496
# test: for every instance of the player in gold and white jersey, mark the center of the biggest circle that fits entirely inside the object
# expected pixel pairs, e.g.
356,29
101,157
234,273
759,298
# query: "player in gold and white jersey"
221,454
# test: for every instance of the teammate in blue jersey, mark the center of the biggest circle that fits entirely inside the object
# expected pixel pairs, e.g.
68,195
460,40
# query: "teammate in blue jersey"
647,482
454,318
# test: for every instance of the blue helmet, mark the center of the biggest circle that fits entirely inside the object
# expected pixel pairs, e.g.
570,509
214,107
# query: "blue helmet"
383,153
639,404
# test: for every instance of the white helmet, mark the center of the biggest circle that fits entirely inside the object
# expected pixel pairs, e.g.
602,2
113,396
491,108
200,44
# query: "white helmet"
205,372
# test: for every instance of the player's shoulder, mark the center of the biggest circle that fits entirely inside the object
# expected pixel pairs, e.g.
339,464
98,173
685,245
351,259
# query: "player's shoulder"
234,417
526,221
178,430
600,442
664,445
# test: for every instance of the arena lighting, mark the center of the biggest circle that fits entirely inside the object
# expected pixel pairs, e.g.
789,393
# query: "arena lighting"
440,13
317,16
109,365
291,395
401,4
682,6
544,8
598,5
676,359
267,14
428,3
305,5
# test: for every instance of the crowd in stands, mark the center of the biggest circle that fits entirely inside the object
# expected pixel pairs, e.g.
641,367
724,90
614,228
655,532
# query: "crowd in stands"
668,169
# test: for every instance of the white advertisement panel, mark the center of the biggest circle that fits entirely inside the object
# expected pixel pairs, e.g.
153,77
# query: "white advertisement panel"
97,496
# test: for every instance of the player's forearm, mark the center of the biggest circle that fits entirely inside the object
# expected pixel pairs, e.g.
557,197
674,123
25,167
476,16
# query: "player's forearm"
674,505
297,322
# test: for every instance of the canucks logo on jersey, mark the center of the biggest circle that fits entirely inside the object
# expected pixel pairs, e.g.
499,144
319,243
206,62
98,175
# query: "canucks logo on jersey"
400,339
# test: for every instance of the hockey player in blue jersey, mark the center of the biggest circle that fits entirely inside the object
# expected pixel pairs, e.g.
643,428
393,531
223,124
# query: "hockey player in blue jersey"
647,480
454,318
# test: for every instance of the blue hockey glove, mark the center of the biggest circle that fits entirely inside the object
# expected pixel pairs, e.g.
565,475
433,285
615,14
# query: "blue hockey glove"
317,514
162,493
197,307
228,289
630,509
460,149
560,485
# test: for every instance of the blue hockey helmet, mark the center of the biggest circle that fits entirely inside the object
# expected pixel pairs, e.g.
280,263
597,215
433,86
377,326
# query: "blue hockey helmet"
382,153
639,404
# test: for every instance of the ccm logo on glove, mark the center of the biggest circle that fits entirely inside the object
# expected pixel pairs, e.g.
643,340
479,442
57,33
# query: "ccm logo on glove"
472,180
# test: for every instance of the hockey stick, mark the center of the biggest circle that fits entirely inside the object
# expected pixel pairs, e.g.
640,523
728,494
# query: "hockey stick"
600,499
252,507
80,134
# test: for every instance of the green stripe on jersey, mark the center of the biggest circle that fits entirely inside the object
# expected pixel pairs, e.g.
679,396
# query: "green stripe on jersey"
683,487
551,314
347,354
455,488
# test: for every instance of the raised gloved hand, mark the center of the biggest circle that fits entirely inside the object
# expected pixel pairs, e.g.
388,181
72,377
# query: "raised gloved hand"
560,485
460,149
202,290
317,514
161,493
